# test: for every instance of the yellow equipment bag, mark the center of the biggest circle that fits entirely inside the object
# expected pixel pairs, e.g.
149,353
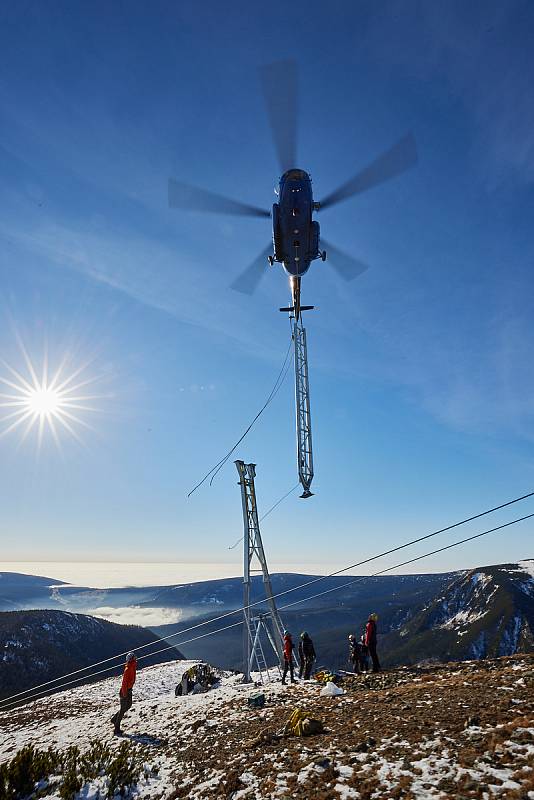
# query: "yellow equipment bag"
299,724
324,676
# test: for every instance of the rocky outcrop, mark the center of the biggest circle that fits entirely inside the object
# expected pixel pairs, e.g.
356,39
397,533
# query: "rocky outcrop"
485,612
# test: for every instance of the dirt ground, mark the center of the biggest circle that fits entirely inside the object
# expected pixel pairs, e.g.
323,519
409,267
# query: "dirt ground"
450,731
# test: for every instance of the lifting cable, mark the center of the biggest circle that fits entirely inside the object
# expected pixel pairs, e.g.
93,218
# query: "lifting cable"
280,594
280,500
274,391
282,608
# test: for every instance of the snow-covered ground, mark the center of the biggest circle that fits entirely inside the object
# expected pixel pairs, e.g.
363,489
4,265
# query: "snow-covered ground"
458,730
82,715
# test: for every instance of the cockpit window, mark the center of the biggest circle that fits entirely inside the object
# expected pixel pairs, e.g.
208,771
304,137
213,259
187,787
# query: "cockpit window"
296,175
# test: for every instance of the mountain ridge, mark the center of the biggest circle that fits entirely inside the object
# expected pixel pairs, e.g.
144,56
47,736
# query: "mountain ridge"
42,645
429,616
487,612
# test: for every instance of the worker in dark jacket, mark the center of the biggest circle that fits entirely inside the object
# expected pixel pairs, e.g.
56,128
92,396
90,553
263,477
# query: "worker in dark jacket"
288,657
354,653
126,692
370,640
306,656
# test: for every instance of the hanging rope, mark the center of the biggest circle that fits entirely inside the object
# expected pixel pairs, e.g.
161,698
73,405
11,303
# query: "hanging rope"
274,391
268,512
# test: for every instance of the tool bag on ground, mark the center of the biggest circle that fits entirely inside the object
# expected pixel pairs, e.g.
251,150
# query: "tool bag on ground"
324,675
197,679
299,724
256,700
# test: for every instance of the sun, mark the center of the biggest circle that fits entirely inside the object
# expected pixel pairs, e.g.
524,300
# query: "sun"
44,400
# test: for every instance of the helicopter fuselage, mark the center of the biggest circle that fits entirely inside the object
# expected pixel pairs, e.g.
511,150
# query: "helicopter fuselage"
295,234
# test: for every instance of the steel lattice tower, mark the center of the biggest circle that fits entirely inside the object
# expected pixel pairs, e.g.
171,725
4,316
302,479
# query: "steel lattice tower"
302,403
253,546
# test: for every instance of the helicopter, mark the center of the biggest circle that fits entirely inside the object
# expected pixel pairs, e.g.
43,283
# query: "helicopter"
296,239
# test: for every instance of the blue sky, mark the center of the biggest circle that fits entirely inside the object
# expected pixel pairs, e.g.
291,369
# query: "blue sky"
421,378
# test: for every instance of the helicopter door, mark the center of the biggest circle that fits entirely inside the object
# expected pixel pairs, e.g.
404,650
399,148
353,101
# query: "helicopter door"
277,234
314,239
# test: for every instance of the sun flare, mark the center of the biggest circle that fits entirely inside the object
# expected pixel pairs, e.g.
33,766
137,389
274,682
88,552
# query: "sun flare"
45,402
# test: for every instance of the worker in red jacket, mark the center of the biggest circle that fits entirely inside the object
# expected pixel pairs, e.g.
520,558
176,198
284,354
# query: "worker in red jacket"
370,640
126,692
288,657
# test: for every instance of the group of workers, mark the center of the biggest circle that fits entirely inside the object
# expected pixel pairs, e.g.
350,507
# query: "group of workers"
306,656
359,652
361,649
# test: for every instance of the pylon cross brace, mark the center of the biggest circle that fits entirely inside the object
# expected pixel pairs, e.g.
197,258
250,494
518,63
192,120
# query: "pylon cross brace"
269,621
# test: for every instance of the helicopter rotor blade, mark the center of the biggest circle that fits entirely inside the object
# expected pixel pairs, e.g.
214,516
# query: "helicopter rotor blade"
247,282
346,266
192,198
279,83
399,158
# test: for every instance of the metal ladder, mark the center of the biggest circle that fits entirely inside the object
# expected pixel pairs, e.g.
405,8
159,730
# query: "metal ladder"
257,653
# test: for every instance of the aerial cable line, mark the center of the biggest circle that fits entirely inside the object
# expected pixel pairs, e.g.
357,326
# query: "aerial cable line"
288,591
359,579
411,560
284,592
280,500
274,391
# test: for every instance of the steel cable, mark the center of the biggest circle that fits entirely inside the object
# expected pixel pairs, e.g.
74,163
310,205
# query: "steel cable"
280,594
282,608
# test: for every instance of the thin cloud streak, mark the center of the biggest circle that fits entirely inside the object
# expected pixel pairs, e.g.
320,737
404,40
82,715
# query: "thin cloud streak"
145,270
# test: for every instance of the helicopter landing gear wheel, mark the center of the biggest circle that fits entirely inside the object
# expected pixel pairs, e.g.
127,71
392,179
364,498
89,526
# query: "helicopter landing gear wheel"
270,259
323,255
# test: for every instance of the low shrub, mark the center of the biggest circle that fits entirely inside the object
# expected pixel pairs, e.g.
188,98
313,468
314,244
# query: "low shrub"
27,768
34,773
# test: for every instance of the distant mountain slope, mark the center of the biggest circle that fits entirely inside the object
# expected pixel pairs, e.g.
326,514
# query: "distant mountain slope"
219,595
17,589
37,646
21,592
393,595
455,615
486,612
479,613
329,618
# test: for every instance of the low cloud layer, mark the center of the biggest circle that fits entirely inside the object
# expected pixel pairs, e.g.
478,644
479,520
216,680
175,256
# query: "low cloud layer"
134,615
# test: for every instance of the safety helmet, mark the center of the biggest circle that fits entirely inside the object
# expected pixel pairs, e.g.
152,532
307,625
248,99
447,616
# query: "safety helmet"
351,636
286,633
373,617
130,656
304,635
